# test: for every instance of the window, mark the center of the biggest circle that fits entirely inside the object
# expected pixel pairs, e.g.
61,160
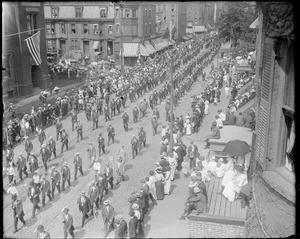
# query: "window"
172,7
150,28
31,24
149,13
74,44
133,13
48,28
164,7
117,28
95,28
54,12
165,18
290,142
6,65
117,12
85,29
78,11
146,28
52,29
159,7
110,30
73,28
146,12
127,13
62,28
51,45
173,18
103,12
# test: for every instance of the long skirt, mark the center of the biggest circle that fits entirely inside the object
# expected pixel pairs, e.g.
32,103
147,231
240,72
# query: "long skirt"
160,192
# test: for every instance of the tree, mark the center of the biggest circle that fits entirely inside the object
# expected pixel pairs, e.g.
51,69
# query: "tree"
234,21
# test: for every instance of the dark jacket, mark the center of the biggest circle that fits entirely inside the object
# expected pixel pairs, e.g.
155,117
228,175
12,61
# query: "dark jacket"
133,226
86,206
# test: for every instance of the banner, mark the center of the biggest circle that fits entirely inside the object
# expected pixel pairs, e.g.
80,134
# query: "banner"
33,44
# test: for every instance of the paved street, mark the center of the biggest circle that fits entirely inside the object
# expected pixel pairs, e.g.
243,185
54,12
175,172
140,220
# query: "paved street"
162,221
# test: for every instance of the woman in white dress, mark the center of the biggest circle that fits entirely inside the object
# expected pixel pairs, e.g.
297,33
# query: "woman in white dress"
235,185
206,107
229,172
173,163
188,127
167,182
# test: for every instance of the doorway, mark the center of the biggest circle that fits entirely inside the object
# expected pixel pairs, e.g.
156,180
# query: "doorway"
86,47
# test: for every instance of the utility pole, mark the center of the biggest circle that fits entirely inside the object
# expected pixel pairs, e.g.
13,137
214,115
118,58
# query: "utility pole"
121,31
171,76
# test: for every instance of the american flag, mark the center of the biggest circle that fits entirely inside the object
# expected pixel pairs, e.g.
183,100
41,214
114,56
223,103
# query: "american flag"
33,44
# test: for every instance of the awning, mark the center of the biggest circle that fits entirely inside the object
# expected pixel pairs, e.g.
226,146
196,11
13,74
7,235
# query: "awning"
130,49
150,48
255,24
166,43
199,29
185,38
96,45
189,30
143,50
159,44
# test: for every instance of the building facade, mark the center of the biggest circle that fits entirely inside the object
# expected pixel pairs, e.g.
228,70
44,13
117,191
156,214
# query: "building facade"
273,211
174,12
21,74
87,27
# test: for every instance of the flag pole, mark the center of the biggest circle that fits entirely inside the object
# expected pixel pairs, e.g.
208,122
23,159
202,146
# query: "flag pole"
23,32
171,76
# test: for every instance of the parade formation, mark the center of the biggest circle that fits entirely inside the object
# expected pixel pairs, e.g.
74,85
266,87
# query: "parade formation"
102,107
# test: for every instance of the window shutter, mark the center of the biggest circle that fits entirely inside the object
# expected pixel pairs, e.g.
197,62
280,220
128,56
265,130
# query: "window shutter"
263,118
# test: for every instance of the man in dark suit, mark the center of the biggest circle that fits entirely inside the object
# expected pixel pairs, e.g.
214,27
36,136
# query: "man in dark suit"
193,153
34,196
133,225
41,233
45,153
230,119
21,166
66,175
55,180
85,207
120,227
68,223
163,163
94,195
145,197
18,212
109,175
78,165
181,153
45,189
108,214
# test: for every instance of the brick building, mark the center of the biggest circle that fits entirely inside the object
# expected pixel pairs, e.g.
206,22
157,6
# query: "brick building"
21,74
174,12
87,27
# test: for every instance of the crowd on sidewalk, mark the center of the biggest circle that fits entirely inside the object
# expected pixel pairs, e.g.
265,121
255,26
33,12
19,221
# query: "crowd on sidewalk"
159,180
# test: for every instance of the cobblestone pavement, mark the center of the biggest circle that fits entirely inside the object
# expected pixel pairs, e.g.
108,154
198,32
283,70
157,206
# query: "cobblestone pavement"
136,169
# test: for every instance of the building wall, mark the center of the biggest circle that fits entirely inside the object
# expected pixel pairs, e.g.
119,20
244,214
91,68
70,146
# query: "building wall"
25,75
274,196
201,229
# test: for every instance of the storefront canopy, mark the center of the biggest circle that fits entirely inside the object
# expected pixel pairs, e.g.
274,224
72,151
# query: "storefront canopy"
130,49
144,51
150,48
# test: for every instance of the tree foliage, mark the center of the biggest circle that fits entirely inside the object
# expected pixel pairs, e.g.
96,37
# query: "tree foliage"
234,21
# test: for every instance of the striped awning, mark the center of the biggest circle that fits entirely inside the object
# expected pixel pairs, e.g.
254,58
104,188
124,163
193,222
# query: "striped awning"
150,48
159,44
130,49
143,50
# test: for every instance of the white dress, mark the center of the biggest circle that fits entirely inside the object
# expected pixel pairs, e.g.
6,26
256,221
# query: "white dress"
188,127
206,108
167,182
234,186
173,164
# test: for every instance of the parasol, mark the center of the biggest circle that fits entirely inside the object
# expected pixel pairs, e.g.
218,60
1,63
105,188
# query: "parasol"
237,148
